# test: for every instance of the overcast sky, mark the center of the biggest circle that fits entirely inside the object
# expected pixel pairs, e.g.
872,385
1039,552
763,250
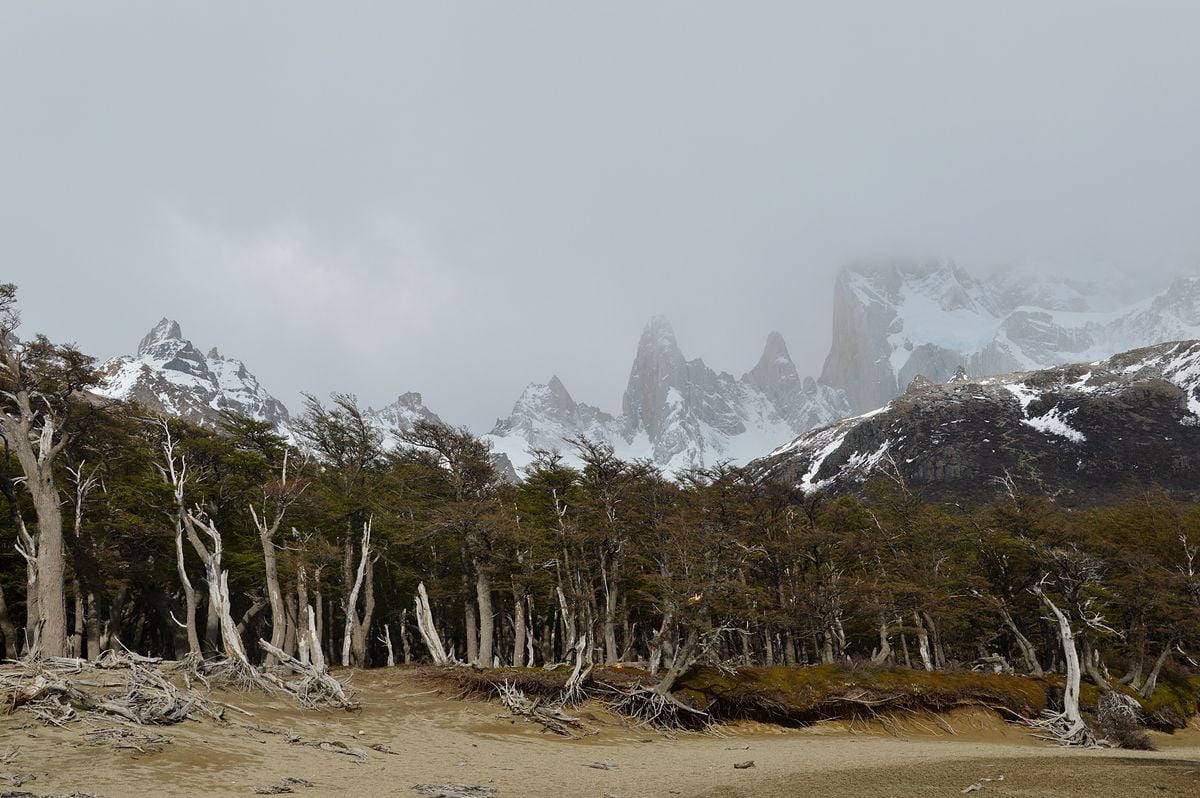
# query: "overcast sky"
458,198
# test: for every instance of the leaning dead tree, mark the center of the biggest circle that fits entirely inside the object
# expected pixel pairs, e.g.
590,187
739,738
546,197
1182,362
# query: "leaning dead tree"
352,620
1074,572
429,633
1067,726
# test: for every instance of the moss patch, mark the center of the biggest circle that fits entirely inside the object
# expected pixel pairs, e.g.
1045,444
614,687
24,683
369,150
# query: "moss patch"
802,695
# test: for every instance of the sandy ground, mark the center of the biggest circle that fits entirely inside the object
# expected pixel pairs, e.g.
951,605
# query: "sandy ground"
440,740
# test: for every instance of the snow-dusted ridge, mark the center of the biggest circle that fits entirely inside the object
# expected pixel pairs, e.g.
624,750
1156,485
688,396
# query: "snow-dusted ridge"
1078,428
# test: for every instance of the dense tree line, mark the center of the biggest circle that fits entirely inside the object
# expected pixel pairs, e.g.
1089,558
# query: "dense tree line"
122,528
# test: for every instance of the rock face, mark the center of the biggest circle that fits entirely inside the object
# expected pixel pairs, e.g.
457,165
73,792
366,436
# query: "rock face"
170,375
893,321
677,412
400,415
1078,432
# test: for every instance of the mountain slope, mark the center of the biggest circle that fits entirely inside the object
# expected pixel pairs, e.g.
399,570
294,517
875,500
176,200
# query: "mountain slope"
1078,431
170,375
893,321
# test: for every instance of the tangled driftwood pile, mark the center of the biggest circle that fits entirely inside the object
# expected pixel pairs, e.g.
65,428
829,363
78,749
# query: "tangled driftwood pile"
121,693
550,715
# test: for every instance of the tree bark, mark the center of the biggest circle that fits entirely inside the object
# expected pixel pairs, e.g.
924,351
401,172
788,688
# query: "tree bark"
429,633
1152,680
483,594
352,599
266,539
519,627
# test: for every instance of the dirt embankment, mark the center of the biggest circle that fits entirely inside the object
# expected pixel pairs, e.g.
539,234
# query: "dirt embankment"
437,739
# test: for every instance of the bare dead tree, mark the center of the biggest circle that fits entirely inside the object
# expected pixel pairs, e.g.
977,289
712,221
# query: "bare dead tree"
174,469
276,500
429,633
352,599
1074,573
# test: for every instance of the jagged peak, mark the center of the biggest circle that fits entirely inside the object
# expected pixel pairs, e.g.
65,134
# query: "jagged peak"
540,393
558,390
409,399
165,330
775,365
213,354
775,349
658,334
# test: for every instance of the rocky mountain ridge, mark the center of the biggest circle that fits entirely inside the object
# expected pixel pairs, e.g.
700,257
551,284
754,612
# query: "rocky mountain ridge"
676,412
1075,431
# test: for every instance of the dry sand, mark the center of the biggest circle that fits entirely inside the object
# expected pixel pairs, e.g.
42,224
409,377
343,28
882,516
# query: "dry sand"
441,740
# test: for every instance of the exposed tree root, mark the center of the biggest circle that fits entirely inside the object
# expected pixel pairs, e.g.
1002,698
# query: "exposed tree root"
658,709
1057,727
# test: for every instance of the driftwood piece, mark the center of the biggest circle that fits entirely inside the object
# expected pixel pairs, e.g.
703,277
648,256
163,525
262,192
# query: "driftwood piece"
317,688
549,715
454,790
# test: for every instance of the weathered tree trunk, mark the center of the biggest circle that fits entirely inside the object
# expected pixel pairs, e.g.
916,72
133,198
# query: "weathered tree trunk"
386,639
405,643
302,642
1152,680
611,576
76,643
291,633
352,598
37,464
189,593
363,627
1076,727
519,627
266,539
1028,652
487,624
1089,664
923,642
429,633
885,644
685,657
320,610
51,595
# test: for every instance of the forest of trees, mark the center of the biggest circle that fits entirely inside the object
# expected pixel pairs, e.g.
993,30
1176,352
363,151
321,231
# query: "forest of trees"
120,527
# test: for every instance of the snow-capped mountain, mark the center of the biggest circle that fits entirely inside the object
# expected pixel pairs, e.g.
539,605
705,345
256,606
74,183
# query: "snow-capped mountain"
1073,431
677,412
894,321
170,375
545,416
